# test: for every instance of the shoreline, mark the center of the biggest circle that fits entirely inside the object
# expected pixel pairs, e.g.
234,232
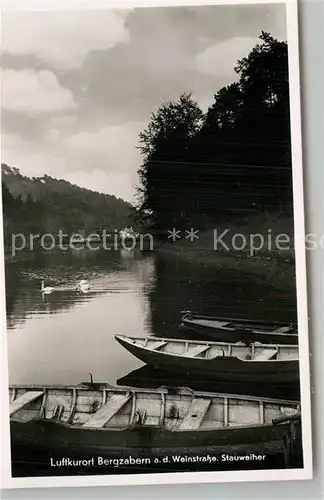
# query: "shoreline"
268,266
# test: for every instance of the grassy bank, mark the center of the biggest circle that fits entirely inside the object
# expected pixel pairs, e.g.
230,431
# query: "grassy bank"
270,262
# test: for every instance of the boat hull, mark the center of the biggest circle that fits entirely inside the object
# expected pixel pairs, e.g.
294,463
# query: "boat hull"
157,448
95,424
219,334
224,368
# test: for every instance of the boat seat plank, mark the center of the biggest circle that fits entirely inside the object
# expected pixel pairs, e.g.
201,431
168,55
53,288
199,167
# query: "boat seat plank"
283,329
207,322
195,415
106,412
157,345
24,400
196,351
266,355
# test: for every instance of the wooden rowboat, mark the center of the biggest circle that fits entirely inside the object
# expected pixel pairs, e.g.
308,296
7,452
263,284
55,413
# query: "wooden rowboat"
262,363
236,330
113,421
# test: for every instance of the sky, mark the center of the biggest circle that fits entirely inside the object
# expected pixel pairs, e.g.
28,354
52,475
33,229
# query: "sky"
78,87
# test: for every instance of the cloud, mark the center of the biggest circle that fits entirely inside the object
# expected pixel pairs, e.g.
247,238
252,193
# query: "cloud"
105,160
31,158
33,92
34,161
113,146
119,66
220,59
118,184
64,41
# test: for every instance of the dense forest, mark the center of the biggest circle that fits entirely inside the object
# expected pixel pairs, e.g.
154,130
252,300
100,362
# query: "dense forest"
42,205
234,159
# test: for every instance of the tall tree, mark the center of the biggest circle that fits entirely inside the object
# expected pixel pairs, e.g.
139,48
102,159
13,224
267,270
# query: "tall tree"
166,147
246,133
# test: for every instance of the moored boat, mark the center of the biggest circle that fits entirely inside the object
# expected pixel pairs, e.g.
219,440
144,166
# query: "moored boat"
114,421
262,363
235,330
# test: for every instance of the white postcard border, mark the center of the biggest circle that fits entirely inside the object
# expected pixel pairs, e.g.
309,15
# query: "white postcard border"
299,219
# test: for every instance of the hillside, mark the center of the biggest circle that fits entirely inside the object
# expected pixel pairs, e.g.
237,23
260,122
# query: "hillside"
46,205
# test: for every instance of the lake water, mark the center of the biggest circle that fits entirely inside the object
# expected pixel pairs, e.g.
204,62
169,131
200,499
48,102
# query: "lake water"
61,337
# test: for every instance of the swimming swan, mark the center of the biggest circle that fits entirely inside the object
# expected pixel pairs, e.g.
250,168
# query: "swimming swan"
46,289
83,286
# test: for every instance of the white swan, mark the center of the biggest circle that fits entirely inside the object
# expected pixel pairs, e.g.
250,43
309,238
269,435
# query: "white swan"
83,286
46,289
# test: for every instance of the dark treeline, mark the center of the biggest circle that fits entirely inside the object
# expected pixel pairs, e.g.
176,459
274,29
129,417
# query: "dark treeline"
234,159
47,205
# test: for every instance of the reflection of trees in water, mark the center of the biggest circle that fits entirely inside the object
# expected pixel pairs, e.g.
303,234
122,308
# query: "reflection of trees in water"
208,289
12,285
170,284
64,269
145,270
25,303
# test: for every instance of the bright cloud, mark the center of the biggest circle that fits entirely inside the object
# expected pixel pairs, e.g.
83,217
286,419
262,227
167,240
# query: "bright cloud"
113,146
115,183
62,41
33,92
105,160
221,59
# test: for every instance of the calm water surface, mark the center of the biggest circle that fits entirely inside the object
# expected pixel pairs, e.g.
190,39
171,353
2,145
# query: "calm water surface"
61,337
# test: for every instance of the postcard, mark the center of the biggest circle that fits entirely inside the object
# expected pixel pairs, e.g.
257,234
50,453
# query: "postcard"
155,324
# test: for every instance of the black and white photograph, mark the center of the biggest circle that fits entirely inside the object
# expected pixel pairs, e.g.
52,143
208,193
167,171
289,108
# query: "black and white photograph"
154,283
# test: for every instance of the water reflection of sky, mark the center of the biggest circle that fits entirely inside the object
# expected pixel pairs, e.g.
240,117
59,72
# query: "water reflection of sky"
59,338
